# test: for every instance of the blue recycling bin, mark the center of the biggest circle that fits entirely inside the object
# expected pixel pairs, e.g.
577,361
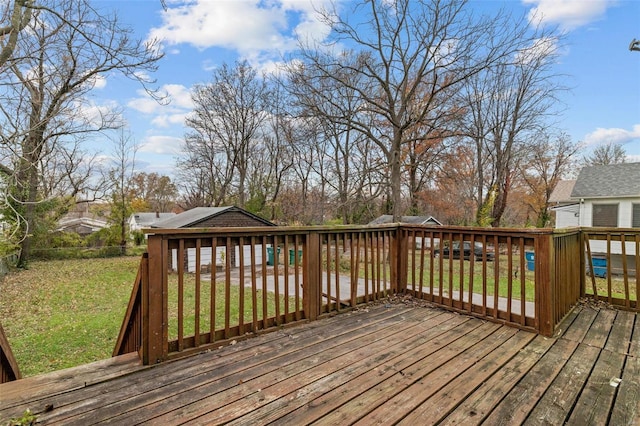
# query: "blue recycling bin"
599,266
270,256
530,257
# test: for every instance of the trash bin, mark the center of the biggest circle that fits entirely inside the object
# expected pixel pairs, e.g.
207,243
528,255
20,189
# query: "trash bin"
292,256
270,260
599,266
530,256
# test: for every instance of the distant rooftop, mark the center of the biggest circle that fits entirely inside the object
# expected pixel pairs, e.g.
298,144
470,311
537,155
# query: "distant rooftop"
613,180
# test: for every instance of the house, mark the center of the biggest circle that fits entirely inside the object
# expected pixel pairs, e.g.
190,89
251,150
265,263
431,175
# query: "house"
601,196
413,220
567,210
84,218
213,217
138,221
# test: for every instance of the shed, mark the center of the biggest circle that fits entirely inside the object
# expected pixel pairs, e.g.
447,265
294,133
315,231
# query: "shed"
412,220
215,217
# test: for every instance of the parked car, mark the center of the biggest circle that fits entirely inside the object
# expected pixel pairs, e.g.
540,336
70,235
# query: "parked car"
455,251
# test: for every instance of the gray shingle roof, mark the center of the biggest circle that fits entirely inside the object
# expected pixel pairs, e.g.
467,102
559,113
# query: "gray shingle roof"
613,180
146,219
414,220
188,217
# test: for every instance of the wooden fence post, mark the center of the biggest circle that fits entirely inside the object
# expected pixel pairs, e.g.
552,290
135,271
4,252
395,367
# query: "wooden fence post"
155,345
544,291
399,253
313,281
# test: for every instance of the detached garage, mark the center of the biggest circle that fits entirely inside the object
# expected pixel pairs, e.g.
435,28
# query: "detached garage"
214,217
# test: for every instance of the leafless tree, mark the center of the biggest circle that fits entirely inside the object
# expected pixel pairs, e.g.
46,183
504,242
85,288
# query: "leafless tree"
410,56
121,174
548,160
15,18
602,155
64,49
505,105
224,127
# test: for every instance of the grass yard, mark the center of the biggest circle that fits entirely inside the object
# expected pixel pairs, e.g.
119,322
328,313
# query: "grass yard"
63,313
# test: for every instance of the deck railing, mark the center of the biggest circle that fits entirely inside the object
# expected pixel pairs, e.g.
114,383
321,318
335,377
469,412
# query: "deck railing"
200,288
612,262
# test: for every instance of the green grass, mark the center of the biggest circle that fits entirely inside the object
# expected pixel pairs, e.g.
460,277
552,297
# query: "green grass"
189,305
59,314
453,273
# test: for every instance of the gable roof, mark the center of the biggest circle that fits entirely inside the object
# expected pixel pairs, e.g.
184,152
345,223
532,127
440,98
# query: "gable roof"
146,219
611,181
562,192
192,217
414,220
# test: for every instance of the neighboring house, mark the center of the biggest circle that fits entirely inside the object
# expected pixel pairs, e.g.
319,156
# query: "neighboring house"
213,217
82,220
602,196
567,210
138,221
413,220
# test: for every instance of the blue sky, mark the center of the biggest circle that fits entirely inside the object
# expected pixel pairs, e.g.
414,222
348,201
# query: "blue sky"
197,36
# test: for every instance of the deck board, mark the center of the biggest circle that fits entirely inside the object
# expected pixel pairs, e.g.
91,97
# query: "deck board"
387,364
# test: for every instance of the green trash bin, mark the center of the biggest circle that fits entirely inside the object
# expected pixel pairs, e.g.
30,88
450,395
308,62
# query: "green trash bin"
270,258
292,256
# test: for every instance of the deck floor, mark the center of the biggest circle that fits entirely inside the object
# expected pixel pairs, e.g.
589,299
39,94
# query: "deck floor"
394,363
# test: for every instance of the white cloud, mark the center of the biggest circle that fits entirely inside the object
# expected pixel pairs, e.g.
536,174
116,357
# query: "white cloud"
246,26
169,120
612,135
568,14
178,96
159,144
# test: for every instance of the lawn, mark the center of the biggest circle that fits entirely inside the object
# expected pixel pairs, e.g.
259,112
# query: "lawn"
64,313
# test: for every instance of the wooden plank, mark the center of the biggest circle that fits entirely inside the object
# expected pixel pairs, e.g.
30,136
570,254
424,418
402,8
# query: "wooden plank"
283,397
596,398
335,396
251,349
626,409
383,392
476,406
516,405
599,331
30,391
191,400
620,336
580,326
426,384
557,402
446,399
173,392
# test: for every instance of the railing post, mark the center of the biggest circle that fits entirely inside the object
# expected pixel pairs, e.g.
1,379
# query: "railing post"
313,281
544,282
400,253
155,346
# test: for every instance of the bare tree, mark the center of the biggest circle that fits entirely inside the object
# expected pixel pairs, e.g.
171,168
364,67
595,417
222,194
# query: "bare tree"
411,56
610,153
14,19
506,104
228,118
121,175
58,58
548,159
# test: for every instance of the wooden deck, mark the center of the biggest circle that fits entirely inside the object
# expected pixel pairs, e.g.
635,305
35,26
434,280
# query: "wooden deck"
394,363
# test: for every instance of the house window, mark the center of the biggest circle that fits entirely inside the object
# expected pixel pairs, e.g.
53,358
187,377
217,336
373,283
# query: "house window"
605,215
635,216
